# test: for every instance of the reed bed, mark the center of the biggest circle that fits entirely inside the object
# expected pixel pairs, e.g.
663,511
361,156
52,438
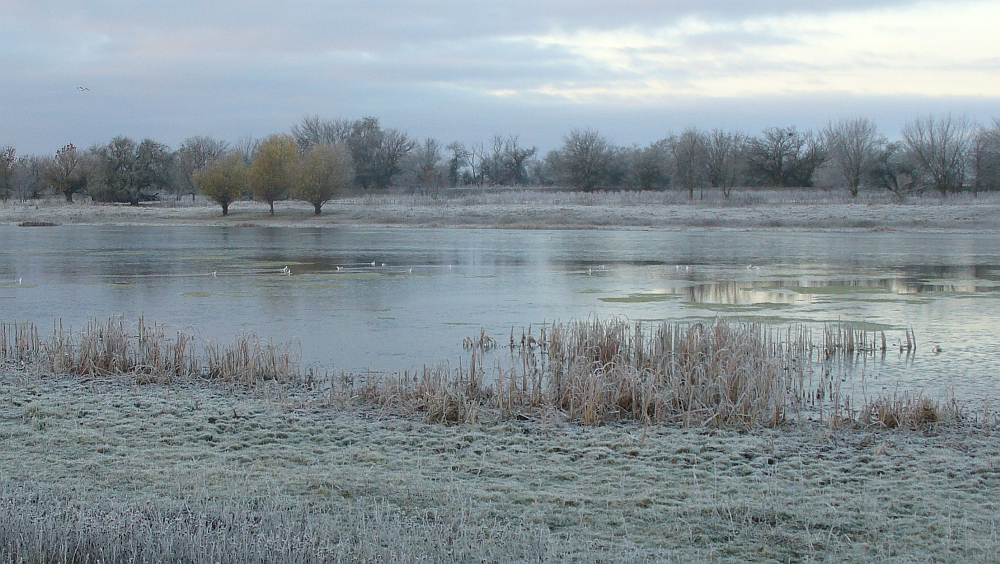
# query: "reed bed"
908,411
592,371
721,374
112,347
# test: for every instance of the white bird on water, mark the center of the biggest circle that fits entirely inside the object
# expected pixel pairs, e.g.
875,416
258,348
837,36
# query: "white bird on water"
215,273
18,281
373,263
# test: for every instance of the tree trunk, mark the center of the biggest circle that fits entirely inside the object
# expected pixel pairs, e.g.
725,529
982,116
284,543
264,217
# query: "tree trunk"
319,207
69,197
272,207
225,209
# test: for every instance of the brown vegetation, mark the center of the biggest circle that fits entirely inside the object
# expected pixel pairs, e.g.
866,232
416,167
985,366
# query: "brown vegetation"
719,374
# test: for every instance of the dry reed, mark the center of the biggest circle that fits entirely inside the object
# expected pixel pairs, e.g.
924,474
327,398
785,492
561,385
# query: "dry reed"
907,411
112,347
719,374
594,371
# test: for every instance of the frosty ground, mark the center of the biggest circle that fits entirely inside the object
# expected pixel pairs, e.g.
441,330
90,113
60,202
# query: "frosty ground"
195,470
553,209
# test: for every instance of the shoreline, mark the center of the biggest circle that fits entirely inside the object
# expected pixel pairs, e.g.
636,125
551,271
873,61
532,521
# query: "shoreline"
547,209
88,449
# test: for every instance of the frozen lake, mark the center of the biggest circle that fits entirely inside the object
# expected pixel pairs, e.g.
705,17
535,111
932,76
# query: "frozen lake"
430,288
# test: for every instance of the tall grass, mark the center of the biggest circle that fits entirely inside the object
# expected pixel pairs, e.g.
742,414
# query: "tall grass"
592,371
719,374
112,347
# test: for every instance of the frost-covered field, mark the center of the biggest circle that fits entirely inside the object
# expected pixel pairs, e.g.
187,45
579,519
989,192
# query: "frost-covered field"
195,471
553,209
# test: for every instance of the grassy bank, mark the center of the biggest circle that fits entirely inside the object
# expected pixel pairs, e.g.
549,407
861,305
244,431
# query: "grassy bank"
554,209
212,472
149,452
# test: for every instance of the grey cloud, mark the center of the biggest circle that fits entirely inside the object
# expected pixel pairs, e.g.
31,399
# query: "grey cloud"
174,69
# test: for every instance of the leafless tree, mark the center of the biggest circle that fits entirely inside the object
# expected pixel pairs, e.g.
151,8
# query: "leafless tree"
726,159
784,156
585,159
941,148
194,154
503,162
428,172
247,147
8,157
986,158
853,146
29,177
313,131
651,165
893,169
690,161
459,160
68,171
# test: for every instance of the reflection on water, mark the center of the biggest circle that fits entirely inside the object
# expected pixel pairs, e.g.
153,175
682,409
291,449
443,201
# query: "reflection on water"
387,299
807,290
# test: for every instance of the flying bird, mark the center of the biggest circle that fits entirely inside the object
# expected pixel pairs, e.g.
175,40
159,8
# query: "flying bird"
83,88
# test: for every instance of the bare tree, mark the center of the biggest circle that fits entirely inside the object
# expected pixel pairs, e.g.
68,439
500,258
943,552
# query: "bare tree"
941,149
783,156
459,160
247,147
853,146
986,158
313,131
8,157
67,172
429,174
503,162
272,172
894,170
223,180
29,177
690,160
651,165
726,159
194,154
324,171
585,159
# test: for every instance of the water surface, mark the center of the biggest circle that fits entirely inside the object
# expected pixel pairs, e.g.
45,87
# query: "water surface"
392,298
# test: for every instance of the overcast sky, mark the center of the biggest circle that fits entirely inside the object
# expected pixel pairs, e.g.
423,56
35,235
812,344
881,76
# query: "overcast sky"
465,70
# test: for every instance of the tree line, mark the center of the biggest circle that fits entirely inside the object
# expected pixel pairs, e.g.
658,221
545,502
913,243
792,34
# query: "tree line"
319,158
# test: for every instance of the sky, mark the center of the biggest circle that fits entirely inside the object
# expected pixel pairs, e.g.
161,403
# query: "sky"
461,70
